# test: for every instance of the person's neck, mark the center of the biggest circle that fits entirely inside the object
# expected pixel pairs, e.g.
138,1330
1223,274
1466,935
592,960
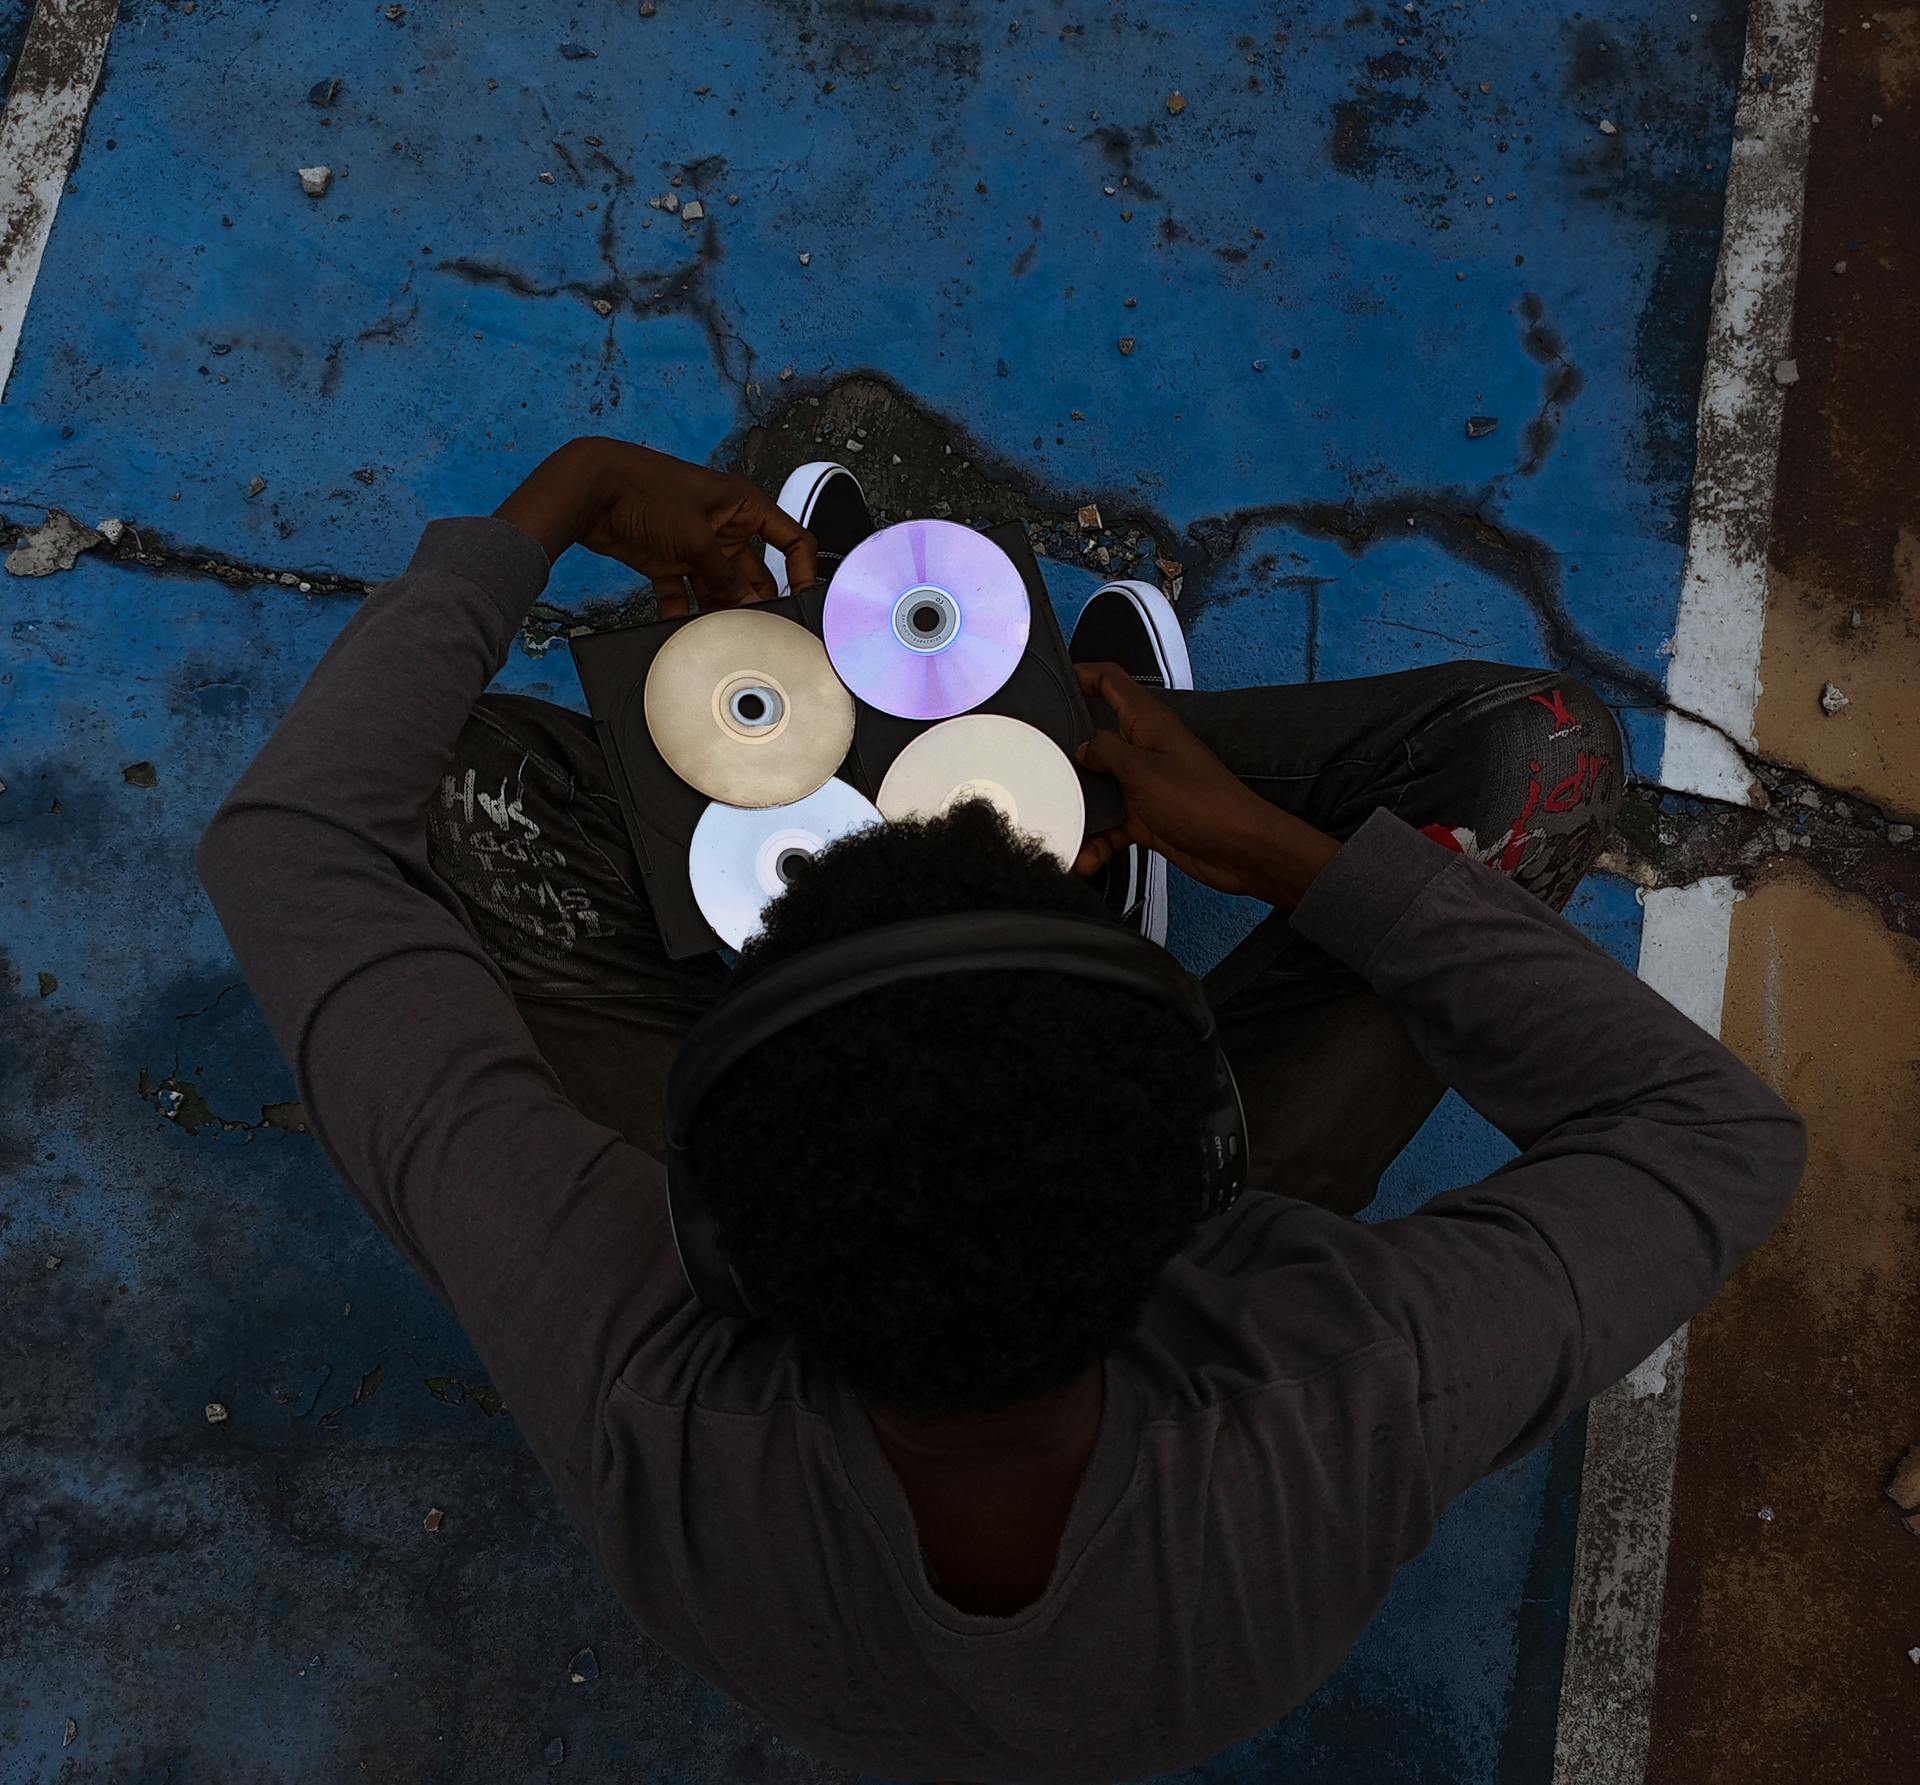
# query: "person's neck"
1025,1431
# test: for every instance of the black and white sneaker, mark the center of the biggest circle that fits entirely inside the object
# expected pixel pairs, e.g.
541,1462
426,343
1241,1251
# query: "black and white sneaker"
1134,625
827,500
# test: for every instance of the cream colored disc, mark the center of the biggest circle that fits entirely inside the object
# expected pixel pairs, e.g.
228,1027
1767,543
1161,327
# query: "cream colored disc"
986,756
744,705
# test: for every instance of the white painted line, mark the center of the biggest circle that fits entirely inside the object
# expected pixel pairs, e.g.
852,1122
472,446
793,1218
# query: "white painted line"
1715,671
53,86
1633,1430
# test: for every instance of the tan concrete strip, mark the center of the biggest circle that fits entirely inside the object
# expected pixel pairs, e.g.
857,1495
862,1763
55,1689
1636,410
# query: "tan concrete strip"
1613,1634
1793,1590
47,103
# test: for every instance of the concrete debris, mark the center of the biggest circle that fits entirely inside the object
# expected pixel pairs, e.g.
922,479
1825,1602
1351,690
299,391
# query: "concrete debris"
1853,619
605,308
1090,516
324,92
1783,839
1904,1489
110,530
786,377
546,179
1126,345
1839,266
578,52
1877,120
854,445
1913,1655
1480,426
396,13
1809,798
56,544
1259,365
73,1729
555,1751
1608,127
806,260
694,212
433,1521
139,774
216,1413
733,198
1787,372
584,1667
1766,1514
48,985
53,1261
1176,103
254,488
314,181
647,9
1832,700
1899,833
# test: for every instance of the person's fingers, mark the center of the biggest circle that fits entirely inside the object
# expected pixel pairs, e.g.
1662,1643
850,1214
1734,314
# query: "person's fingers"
760,583
781,531
1107,753
1131,703
1098,850
671,599
720,577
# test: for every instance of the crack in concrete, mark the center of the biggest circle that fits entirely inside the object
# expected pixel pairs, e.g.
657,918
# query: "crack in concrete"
1665,838
133,549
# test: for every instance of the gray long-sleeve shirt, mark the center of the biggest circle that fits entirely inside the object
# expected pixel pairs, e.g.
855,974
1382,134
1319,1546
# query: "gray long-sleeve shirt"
1301,1399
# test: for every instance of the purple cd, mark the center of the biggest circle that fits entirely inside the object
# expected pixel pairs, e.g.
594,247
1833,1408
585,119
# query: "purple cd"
926,619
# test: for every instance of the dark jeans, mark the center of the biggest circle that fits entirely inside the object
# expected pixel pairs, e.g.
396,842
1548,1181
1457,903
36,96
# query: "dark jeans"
1519,767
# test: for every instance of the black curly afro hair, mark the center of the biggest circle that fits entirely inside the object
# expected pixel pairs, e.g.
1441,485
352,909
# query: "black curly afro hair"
956,1194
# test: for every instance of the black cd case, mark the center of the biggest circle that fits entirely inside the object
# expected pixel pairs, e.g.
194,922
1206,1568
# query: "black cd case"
661,809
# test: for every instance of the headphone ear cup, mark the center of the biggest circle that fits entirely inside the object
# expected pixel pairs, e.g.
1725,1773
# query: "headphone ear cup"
1224,1144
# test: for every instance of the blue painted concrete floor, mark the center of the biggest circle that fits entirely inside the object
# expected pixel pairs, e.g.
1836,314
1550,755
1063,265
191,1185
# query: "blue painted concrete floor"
1331,234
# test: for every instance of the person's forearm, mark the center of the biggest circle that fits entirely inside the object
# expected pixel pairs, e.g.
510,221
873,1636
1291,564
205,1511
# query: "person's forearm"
1292,854
325,824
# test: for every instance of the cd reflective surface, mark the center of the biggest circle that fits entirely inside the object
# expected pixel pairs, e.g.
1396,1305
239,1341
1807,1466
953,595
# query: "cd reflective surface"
986,756
744,706
740,860
926,619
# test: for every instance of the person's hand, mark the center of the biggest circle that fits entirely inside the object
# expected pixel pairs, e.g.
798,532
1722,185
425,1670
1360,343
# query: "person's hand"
690,530
1184,802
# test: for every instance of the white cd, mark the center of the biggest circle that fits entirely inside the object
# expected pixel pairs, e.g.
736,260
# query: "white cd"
740,859
984,756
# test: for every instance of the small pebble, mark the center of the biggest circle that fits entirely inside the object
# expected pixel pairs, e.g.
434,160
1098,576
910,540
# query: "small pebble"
324,93
584,1667
396,13
733,198
1176,103
806,260
1126,344
856,445
786,373
1480,426
1899,833
1832,700
1766,1512
73,1728
1787,372
434,1520
693,212
314,181
555,1751
53,1261
1486,86
216,1413
647,9
258,484
1839,266
1089,516
110,530
1259,365
1608,127
577,52
605,308
546,179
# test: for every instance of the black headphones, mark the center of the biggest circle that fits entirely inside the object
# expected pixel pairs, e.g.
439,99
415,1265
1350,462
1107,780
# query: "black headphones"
768,1003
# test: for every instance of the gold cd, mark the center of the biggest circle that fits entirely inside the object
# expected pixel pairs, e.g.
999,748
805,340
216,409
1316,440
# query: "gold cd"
744,705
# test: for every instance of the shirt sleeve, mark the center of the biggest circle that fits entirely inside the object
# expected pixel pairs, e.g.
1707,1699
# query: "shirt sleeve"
546,1234
1651,1160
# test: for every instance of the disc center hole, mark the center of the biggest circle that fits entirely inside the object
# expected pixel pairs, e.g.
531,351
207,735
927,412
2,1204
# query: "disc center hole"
926,619
791,862
751,706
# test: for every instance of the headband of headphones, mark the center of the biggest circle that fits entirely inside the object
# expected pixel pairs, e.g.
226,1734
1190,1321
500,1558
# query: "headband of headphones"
765,1004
